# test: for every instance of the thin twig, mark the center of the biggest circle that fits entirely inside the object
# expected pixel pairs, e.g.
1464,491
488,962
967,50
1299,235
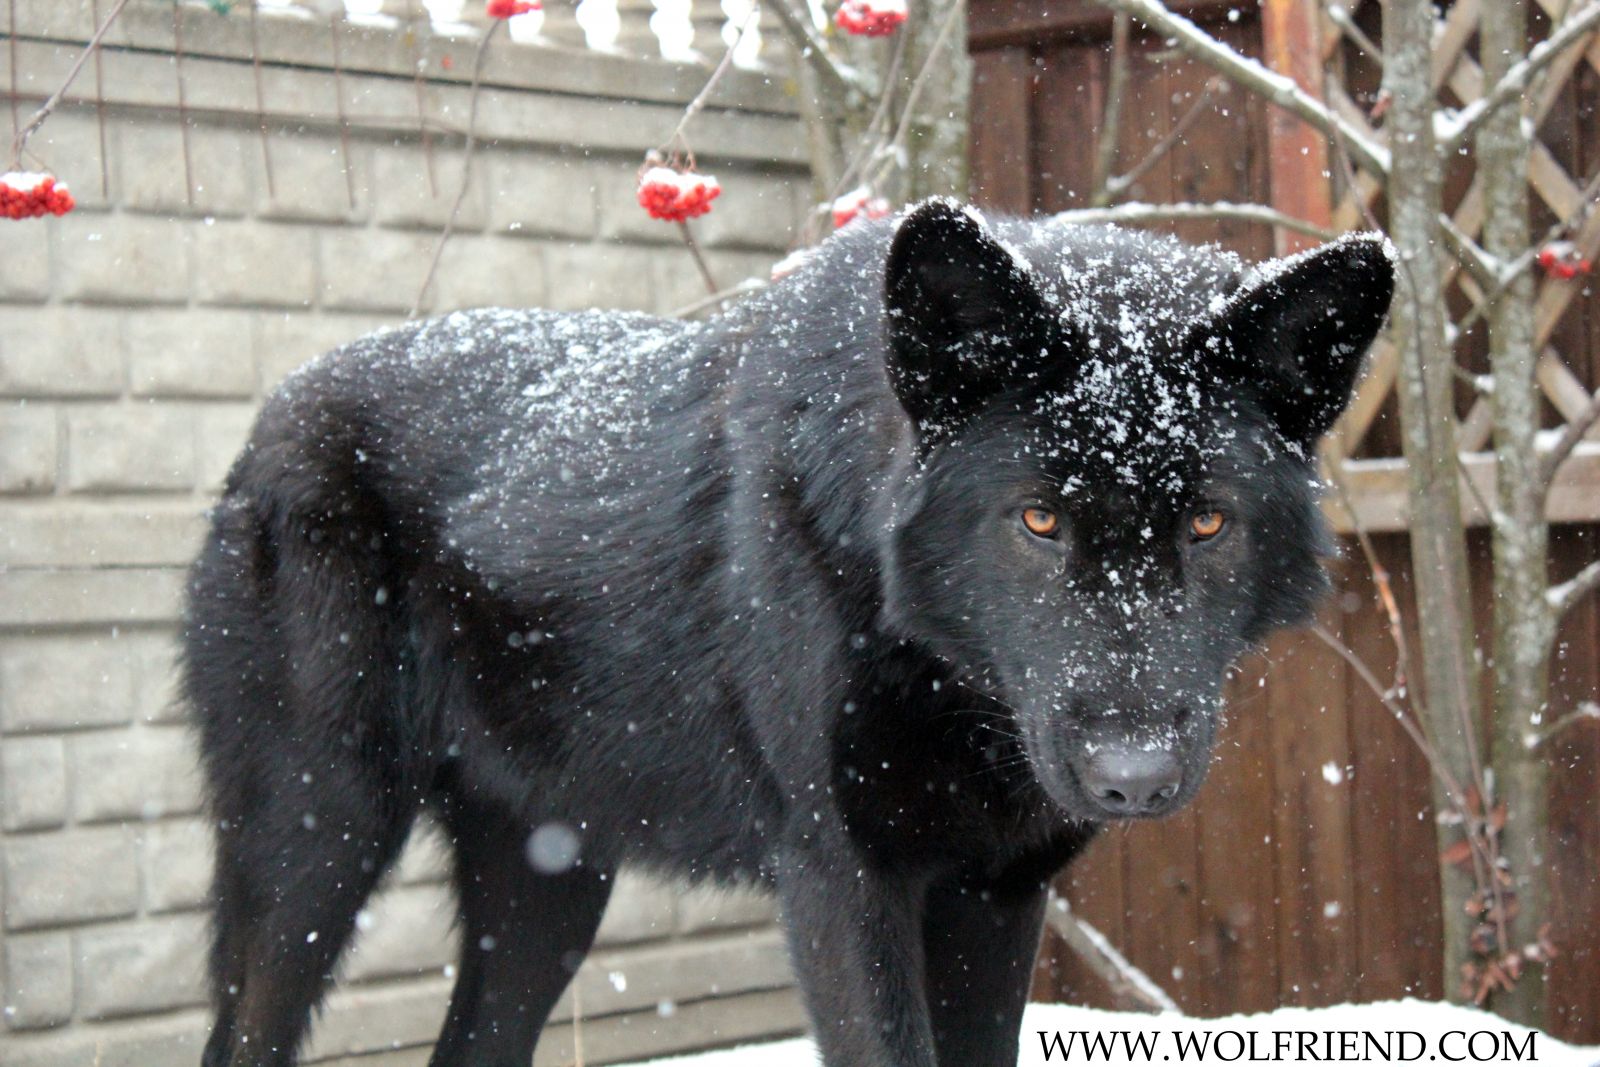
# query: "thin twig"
1116,186
19,141
422,122
744,288
261,99
1276,88
1536,88
1571,436
1258,213
1382,585
1490,515
699,101
338,106
183,104
466,165
16,113
1128,983
699,257
1347,25
1587,712
100,110
1559,229
1105,155
872,140
813,50
951,20
1566,596
1413,731
1510,88
1486,270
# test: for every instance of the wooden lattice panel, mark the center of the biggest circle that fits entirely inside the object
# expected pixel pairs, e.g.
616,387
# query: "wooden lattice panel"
1349,29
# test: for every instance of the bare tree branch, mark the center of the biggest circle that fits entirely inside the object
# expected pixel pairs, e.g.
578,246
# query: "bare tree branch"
1347,25
1566,596
1455,131
1274,87
1436,764
958,11
1105,155
467,152
1257,213
1525,262
1117,185
1128,984
699,257
1571,436
1588,711
1488,271
19,143
813,50
699,102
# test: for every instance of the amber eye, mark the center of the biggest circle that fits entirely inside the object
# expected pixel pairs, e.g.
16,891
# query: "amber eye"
1040,523
1207,524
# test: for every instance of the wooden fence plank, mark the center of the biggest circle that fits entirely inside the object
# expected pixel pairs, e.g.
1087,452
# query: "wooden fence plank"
1001,159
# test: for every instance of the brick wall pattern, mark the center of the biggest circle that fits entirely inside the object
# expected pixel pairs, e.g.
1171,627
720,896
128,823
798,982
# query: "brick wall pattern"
137,336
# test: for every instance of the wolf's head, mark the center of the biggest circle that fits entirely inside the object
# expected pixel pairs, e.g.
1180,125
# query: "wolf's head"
1116,487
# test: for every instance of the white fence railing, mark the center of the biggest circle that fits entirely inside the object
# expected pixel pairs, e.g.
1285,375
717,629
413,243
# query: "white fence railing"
681,30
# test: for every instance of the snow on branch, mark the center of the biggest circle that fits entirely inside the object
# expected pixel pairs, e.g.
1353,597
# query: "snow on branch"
1564,597
1258,213
1126,981
1252,75
1453,132
1571,435
1588,711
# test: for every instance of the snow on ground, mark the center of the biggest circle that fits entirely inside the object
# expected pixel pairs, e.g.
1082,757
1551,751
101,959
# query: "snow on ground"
1443,1033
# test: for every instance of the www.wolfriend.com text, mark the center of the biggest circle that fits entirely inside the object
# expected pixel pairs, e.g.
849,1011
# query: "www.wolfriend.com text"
1285,1046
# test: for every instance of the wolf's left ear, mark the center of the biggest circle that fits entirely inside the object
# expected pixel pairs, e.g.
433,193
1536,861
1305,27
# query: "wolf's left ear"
962,312
1295,333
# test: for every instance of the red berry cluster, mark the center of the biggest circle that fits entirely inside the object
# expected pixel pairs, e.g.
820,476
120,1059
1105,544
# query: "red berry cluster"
504,9
858,204
675,196
871,18
27,196
1563,260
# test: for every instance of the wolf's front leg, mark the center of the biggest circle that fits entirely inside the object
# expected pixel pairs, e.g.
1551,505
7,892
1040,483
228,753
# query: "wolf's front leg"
981,943
855,937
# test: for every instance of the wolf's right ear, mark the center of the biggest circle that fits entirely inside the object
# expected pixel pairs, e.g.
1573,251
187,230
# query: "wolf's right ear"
962,310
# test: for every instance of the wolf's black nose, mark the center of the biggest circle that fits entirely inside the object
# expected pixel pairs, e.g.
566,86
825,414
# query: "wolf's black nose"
1132,781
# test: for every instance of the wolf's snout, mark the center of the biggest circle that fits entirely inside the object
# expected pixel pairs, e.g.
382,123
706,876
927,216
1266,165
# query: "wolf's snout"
1132,781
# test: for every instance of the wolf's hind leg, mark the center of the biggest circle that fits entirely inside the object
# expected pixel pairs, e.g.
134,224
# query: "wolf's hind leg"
313,858
523,934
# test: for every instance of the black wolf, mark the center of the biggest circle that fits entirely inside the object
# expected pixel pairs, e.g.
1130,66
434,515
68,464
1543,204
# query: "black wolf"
881,590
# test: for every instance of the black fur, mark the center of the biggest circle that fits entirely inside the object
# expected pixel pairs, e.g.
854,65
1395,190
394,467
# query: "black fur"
704,598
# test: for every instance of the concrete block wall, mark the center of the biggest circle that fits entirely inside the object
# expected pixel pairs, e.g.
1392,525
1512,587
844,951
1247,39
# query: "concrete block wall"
137,337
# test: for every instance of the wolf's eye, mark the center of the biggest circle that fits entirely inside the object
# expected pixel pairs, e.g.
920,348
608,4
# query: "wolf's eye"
1040,523
1207,524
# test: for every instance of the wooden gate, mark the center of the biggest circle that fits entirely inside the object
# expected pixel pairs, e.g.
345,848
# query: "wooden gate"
1305,872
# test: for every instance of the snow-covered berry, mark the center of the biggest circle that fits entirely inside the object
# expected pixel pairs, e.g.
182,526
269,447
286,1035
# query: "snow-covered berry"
871,18
28,195
504,9
675,196
1563,260
858,203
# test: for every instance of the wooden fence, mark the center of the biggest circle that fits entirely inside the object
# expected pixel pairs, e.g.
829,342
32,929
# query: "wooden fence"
1305,872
